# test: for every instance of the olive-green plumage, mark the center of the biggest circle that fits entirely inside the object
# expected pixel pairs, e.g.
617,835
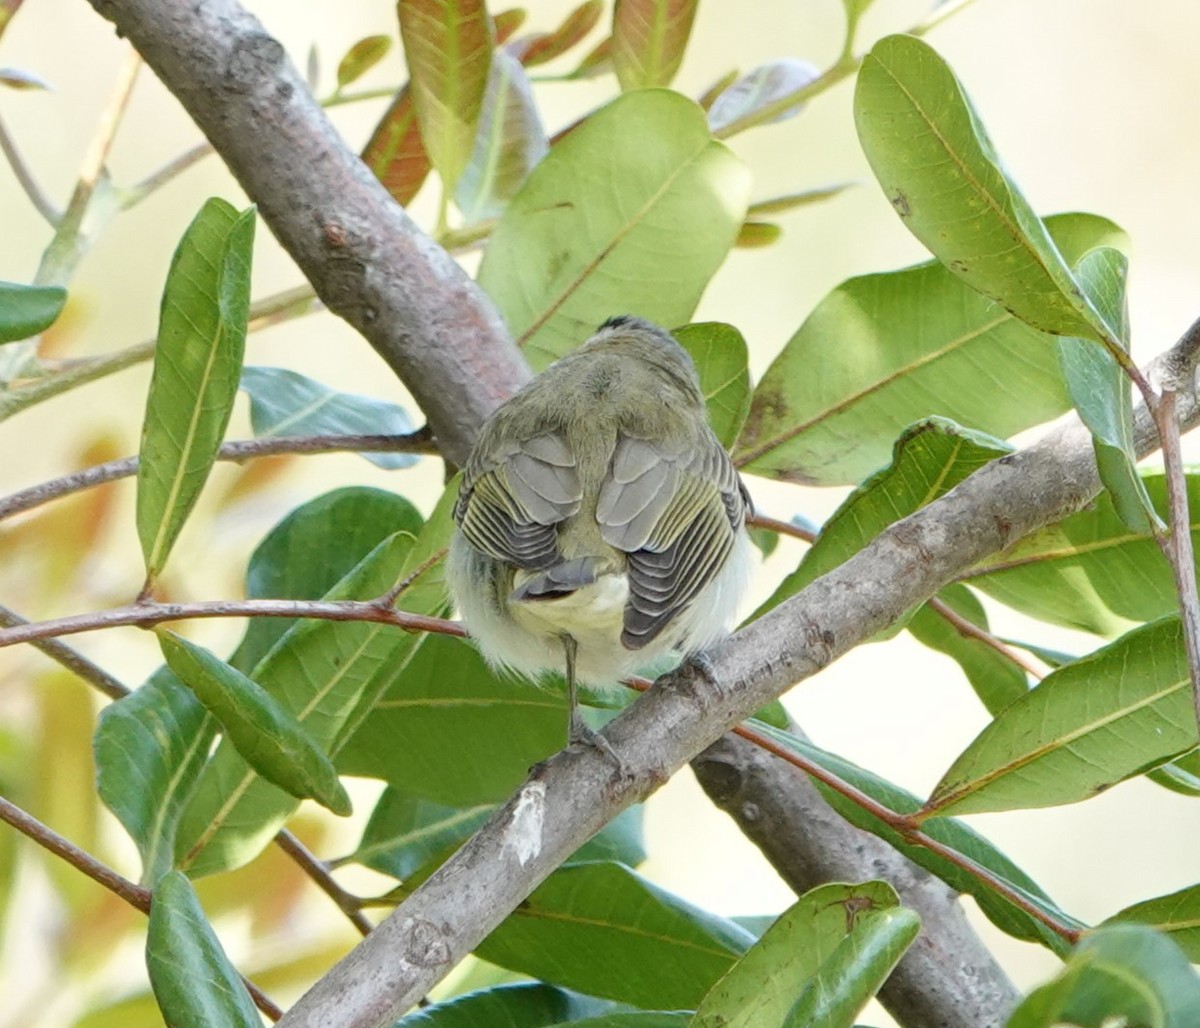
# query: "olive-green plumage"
599,513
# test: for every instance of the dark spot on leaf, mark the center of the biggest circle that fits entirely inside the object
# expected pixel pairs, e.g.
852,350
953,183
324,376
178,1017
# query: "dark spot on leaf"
958,266
899,200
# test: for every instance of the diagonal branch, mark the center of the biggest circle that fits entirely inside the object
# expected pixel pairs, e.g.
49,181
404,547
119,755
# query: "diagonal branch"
365,257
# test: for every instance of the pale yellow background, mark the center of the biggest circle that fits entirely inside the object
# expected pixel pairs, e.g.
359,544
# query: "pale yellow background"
1092,103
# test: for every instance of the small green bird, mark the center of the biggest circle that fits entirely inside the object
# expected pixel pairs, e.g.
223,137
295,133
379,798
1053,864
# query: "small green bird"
600,521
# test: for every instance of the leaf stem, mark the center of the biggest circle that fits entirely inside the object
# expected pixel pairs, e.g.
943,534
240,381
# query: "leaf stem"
135,194
41,202
134,895
150,612
967,627
236,450
318,871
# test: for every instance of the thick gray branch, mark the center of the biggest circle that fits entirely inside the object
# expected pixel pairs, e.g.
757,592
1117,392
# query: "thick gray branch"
687,711
365,257
948,978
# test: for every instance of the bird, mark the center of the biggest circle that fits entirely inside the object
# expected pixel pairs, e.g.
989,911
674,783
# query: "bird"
600,523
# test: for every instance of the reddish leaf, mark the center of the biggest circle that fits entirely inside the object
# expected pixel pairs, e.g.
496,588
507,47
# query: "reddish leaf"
547,45
7,9
597,61
507,22
649,37
395,152
448,45
361,58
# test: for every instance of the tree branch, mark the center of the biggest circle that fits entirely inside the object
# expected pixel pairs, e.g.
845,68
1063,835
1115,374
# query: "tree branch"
366,258
236,450
70,658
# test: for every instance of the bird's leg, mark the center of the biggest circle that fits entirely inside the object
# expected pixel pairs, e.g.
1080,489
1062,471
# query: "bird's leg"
579,732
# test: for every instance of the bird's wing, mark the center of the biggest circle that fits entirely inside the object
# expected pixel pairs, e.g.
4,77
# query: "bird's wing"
512,500
676,513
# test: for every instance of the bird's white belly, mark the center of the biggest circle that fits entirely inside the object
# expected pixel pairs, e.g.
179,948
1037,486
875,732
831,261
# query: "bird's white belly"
593,615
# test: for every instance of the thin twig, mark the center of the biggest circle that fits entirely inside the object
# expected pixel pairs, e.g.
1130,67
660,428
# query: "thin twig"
270,310
964,626
318,871
237,450
172,169
134,895
25,179
782,527
148,613
70,658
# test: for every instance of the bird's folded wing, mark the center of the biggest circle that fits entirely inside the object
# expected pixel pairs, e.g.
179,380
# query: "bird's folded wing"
511,501
676,512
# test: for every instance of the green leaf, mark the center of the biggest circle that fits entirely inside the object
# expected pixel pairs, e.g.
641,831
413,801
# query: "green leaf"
928,460
201,335
602,929
1117,975
408,838
19,78
764,85
755,234
395,153
320,671
1176,915
149,749
361,58
722,362
940,172
637,1019
194,983
548,45
1100,390
1181,776
525,1005
570,251
596,61
780,204
896,348
948,831
27,310
453,732
760,989
648,40
1110,715
856,970
312,549
510,142
286,403
1089,570
448,46
266,735
997,681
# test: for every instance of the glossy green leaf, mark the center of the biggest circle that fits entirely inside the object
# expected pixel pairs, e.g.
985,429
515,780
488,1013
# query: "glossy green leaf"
453,732
764,85
948,831
855,971
602,929
395,153
262,731
1176,915
201,335
312,549
448,46
940,172
635,1019
408,838
1100,390
361,58
722,362
928,460
525,1005
508,145
1089,570
1117,975
570,251
546,46
1110,715
286,403
320,671
649,37
27,310
997,681
149,749
760,989
194,983
1181,775
883,351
